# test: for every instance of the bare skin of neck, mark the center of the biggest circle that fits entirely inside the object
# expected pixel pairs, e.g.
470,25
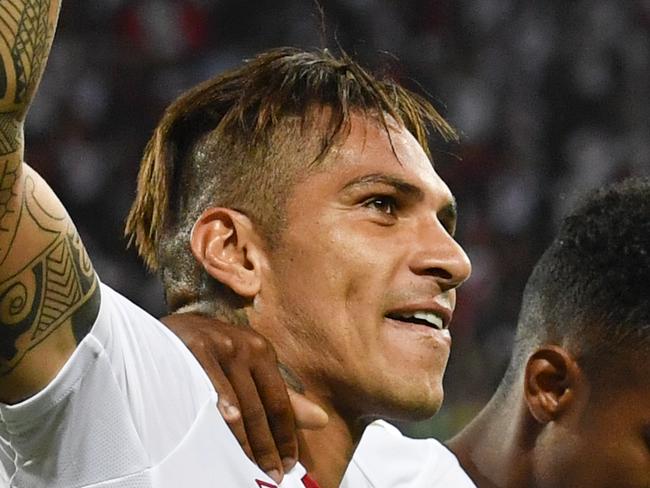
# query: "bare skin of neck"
494,448
326,453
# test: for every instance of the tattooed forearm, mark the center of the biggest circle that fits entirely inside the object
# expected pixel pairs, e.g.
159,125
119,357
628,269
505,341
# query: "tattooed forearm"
26,32
57,288
8,203
49,296
10,133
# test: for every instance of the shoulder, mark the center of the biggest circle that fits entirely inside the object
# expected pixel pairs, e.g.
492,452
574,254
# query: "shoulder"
136,352
128,377
122,327
147,359
389,458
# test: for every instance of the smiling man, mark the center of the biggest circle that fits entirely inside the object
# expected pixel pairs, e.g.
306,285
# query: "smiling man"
294,195
573,409
374,230
315,216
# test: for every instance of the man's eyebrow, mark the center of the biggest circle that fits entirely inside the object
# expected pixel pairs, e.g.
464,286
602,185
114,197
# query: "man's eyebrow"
448,214
396,182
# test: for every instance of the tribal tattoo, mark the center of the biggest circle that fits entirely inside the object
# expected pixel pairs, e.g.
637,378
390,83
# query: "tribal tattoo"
56,288
9,168
26,30
46,278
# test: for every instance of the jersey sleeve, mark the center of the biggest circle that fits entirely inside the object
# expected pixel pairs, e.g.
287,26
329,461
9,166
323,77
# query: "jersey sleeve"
127,397
131,408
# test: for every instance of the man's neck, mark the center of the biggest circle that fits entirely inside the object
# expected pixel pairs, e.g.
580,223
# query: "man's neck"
492,448
326,453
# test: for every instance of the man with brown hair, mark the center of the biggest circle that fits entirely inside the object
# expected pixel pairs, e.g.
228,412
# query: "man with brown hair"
293,194
572,408
352,193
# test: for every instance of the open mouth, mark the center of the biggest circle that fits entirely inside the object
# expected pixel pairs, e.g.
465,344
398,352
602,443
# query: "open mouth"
428,319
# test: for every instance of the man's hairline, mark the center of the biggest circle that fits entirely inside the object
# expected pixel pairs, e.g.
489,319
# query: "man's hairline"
321,162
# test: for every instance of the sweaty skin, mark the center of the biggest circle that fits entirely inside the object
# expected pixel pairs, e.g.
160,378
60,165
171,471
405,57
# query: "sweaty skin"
552,425
375,224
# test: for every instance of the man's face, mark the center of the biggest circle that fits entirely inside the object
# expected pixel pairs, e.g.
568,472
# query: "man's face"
606,442
361,287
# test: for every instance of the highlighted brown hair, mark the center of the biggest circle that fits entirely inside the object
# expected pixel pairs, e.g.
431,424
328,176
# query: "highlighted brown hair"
238,140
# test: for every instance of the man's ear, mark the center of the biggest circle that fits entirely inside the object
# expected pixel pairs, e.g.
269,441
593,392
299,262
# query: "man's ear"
225,243
551,382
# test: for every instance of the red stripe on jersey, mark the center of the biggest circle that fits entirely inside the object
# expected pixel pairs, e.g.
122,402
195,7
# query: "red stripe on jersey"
309,482
264,484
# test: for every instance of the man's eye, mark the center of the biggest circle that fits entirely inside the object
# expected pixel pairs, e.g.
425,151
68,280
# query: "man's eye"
383,204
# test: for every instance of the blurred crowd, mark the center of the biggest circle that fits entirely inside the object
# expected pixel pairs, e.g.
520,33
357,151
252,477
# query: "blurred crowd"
551,98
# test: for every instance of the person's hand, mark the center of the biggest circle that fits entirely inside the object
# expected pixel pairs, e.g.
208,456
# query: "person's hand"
253,398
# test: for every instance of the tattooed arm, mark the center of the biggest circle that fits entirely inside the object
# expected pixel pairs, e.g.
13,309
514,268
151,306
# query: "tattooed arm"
48,291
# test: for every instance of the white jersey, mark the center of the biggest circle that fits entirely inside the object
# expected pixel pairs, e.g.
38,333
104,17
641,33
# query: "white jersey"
387,459
131,408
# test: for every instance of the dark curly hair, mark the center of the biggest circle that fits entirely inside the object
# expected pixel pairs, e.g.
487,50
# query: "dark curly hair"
590,291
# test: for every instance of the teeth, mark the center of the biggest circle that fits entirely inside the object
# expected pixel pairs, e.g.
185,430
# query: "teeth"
429,317
432,318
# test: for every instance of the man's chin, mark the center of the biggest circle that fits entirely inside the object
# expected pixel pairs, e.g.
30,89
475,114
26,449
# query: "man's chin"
424,412
414,408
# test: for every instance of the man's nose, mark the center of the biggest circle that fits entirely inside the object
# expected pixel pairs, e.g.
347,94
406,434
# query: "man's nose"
440,256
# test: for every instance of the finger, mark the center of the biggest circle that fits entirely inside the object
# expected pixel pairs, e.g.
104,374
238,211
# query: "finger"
279,413
308,415
227,403
259,435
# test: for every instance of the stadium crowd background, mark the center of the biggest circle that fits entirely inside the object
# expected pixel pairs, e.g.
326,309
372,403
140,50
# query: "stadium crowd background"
551,98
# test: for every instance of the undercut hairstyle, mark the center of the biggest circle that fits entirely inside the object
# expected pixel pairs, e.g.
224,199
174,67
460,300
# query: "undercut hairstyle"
590,291
242,140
